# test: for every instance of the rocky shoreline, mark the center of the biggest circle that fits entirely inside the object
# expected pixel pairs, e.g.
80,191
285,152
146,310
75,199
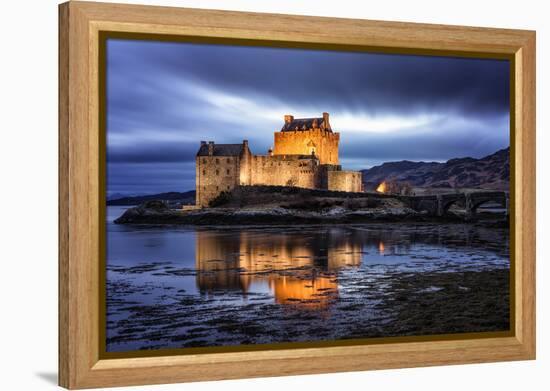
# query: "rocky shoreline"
156,212
159,213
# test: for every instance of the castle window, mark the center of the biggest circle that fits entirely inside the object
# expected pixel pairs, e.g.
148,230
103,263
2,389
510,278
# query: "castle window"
228,160
203,172
217,172
228,171
217,188
217,161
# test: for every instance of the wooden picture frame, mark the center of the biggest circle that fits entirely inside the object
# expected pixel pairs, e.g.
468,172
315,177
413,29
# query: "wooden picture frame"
80,166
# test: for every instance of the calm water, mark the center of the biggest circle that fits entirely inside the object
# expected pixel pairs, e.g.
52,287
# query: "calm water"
172,287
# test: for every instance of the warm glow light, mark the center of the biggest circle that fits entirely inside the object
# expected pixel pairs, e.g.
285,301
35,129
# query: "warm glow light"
381,187
305,293
381,247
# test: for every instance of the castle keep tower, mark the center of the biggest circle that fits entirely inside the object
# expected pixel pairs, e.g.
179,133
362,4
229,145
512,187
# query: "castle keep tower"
306,136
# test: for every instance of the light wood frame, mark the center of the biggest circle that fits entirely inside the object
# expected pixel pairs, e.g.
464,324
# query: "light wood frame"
80,165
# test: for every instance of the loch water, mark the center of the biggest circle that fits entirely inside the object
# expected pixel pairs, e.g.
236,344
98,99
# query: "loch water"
177,287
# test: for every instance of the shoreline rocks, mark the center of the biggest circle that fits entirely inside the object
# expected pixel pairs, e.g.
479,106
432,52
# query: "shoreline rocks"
158,213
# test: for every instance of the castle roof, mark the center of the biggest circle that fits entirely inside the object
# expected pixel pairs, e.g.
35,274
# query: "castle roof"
301,124
221,150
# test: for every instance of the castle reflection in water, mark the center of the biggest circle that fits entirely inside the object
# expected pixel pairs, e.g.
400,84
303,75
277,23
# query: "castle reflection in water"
299,269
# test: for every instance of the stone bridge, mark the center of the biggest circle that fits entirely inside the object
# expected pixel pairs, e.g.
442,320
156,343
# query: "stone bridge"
438,205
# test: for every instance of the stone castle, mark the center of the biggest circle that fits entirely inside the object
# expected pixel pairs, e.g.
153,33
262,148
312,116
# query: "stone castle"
305,154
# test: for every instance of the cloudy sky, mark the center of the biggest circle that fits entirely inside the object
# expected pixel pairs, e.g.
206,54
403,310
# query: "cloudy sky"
164,98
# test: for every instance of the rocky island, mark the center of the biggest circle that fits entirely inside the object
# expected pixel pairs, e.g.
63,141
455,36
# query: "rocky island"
245,205
276,205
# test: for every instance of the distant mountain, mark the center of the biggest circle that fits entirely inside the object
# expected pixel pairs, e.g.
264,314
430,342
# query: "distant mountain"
115,196
173,198
489,172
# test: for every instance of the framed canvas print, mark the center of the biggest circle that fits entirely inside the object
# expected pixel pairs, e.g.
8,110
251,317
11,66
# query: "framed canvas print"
247,195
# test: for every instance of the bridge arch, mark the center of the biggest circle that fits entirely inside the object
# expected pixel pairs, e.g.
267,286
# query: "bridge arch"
502,202
447,201
427,204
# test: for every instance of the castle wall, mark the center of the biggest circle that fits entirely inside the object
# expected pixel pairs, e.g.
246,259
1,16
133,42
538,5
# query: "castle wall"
284,170
301,142
344,181
323,170
215,174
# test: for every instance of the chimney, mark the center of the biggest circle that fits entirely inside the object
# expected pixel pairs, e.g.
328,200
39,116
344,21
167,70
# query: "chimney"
245,144
326,124
210,148
270,151
203,143
289,118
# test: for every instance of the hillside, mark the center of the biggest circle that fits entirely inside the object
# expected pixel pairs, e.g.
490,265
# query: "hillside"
173,198
489,172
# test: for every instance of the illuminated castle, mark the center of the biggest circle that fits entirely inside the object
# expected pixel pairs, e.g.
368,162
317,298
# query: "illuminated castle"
305,154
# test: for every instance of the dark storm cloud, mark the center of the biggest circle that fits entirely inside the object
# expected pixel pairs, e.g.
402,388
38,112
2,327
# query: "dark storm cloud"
163,98
366,81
